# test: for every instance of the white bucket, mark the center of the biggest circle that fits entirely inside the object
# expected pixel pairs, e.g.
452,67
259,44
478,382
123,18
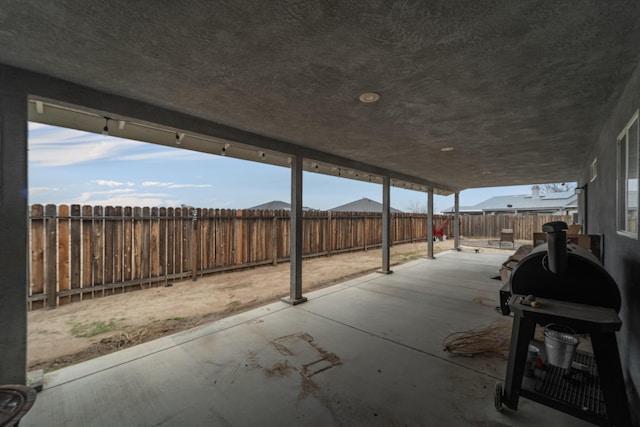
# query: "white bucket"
560,343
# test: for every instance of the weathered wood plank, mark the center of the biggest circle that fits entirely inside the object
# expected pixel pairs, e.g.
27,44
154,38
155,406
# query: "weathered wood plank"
185,222
98,246
162,242
145,243
51,251
87,249
118,244
109,245
195,253
64,254
137,244
76,250
154,262
171,242
127,244
211,240
37,253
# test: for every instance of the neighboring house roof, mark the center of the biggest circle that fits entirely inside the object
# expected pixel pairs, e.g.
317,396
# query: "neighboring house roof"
362,205
276,205
461,209
547,202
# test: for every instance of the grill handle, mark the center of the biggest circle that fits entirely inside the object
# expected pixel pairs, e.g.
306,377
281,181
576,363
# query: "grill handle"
557,245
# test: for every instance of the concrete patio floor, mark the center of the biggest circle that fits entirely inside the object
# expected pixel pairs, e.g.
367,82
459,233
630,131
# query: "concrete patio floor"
367,352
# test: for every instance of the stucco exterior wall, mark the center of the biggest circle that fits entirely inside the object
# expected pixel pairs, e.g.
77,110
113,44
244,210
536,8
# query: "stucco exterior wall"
622,254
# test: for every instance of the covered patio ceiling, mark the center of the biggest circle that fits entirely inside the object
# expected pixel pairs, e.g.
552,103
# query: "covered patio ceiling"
472,94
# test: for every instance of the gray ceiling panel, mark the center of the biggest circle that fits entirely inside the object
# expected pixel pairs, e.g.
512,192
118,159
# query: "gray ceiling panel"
519,89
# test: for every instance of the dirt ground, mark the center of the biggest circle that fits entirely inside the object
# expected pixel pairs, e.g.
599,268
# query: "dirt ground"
80,331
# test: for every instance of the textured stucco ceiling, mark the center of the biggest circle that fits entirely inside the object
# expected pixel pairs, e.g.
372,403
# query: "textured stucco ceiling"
519,89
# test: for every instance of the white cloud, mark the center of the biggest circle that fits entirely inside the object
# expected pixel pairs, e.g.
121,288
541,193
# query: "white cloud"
47,135
168,154
65,155
190,186
125,200
41,195
51,146
134,198
91,195
173,185
35,190
156,184
109,183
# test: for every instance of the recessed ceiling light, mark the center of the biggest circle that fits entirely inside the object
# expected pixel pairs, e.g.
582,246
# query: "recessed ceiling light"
369,97
445,149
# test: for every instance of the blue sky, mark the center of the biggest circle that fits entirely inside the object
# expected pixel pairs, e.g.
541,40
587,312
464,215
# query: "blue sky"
72,167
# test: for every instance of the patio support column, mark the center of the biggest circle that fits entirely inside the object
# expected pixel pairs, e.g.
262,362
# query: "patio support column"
456,223
386,225
14,279
430,224
295,293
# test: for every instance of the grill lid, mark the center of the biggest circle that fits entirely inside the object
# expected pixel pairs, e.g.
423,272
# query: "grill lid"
564,272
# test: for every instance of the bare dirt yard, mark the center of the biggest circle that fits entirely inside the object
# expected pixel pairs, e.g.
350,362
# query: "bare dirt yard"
80,331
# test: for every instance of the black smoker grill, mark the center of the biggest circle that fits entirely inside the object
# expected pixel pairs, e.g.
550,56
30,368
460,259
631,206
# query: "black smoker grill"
572,289
564,272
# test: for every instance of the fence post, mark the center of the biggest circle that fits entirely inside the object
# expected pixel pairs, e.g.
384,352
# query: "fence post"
87,250
154,253
364,230
118,229
64,273
145,248
127,243
274,239
329,232
98,246
37,249
51,251
194,245
109,247
163,261
76,245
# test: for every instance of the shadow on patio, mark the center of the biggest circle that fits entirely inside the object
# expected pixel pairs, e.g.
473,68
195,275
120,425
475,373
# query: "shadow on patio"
361,353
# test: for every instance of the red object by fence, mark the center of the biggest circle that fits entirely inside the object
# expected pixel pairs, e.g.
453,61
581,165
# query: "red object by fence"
438,232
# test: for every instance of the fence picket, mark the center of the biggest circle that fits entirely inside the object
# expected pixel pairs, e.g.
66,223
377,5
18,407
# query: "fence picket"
109,246
98,246
51,251
171,243
118,243
127,245
64,269
37,253
76,251
87,250
137,245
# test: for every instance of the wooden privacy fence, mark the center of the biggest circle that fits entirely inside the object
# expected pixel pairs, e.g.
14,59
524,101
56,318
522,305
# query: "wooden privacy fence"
80,252
523,226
